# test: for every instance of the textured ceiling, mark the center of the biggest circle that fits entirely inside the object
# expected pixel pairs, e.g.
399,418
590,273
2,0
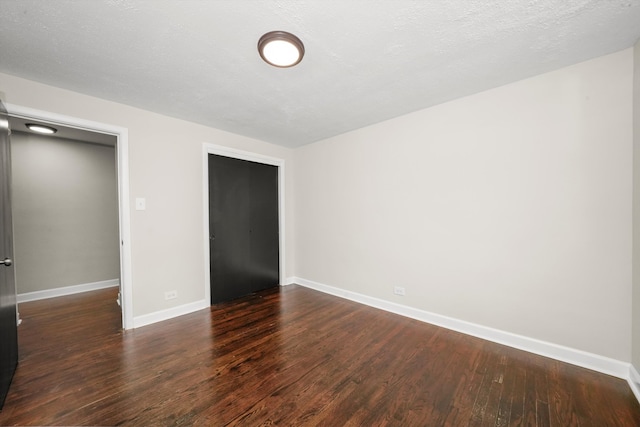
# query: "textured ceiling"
366,60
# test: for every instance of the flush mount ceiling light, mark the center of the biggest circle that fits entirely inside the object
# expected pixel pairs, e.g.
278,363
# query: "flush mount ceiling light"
41,128
280,49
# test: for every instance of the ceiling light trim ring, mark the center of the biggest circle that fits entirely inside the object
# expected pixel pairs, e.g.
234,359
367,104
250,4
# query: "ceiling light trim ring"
283,36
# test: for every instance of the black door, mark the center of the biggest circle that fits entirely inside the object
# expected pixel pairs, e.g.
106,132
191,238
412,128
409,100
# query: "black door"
8,320
243,227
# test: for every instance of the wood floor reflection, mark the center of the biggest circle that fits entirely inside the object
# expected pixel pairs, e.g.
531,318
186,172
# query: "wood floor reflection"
290,356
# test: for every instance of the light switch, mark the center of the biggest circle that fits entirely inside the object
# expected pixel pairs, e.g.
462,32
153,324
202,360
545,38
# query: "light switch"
141,204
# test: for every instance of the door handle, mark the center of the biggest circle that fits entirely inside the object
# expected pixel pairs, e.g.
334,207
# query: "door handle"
7,262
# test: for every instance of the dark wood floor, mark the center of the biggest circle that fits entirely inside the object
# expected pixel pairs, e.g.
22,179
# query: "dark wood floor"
291,356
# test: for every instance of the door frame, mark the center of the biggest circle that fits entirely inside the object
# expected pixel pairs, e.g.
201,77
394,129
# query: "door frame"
219,150
122,152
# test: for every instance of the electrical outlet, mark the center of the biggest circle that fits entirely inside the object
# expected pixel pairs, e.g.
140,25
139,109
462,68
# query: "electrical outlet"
398,290
171,295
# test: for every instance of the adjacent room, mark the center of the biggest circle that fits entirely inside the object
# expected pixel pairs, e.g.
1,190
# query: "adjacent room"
65,207
421,213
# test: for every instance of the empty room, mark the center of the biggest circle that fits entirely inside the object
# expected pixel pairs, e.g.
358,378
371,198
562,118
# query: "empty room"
364,213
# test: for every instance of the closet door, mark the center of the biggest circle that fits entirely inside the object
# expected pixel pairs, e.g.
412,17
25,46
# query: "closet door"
8,309
243,227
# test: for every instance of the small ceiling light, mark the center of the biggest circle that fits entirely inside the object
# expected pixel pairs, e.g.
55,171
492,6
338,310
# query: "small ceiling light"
41,128
281,49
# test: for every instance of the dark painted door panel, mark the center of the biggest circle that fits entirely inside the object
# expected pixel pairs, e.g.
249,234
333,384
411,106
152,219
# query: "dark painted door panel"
243,227
8,320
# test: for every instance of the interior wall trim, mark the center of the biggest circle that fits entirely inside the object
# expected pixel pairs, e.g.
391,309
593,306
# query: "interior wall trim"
67,290
124,213
573,356
169,313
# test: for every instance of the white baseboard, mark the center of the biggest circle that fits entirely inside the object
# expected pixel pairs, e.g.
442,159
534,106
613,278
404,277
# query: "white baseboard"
289,281
67,290
634,381
573,356
170,313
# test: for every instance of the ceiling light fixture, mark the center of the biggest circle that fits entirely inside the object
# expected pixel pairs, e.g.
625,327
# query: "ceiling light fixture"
281,49
41,128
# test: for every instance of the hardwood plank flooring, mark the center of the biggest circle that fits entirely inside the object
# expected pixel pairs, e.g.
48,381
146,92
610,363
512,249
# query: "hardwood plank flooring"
289,356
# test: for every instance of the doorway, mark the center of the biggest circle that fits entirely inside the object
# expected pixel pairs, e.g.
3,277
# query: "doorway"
65,208
121,148
244,222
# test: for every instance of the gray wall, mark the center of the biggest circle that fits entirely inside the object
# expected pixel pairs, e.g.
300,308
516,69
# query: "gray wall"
65,212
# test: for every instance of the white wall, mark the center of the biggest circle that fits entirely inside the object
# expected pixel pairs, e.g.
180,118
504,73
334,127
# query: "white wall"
165,162
636,209
510,208
65,205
